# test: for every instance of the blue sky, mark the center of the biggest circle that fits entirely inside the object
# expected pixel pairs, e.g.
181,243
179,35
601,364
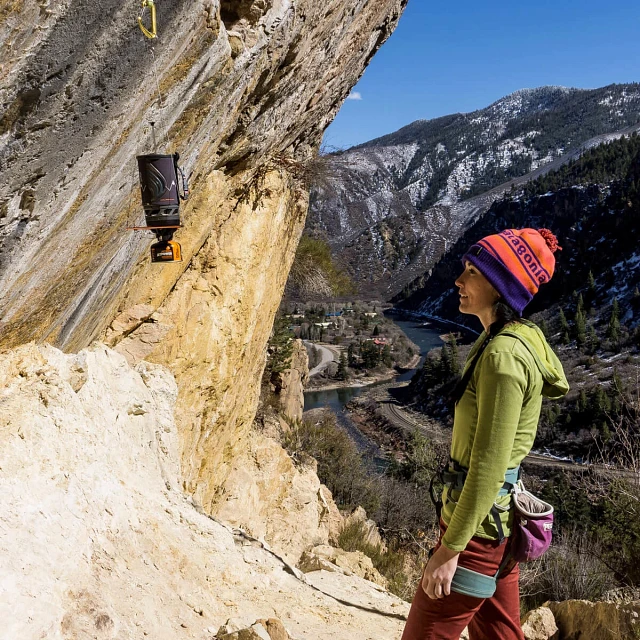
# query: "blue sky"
448,57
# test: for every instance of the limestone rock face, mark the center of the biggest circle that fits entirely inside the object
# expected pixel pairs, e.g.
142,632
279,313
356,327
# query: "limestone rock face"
370,528
332,515
360,593
243,90
97,457
80,85
97,538
309,562
539,624
271,629
351,562
290,384
603,620
266,495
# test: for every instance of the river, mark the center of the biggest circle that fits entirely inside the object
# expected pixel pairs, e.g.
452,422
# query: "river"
425,337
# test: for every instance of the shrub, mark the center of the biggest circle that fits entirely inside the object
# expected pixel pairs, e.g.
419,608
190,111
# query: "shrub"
570,570
314,272
394,564
340,465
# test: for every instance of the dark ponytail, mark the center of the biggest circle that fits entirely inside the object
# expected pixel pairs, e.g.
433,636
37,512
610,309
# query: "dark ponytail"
504,315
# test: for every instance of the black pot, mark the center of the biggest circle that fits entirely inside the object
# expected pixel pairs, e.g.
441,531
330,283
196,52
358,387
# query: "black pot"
159,189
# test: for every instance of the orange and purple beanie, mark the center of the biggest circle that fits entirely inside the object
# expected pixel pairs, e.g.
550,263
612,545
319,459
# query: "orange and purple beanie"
516,262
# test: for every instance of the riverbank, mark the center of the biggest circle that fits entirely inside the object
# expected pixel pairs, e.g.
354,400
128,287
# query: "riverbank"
366,381
414,316
332,385
390,438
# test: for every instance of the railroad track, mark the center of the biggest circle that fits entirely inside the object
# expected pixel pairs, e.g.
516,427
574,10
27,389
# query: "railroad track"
409,422
392,411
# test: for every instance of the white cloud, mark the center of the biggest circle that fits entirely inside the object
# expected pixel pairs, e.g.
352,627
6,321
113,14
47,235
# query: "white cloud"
354,95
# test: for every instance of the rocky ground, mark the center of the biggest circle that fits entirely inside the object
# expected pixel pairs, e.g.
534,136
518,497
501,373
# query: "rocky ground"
99,540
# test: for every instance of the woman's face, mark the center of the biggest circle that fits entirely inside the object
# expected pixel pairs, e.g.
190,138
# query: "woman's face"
477,295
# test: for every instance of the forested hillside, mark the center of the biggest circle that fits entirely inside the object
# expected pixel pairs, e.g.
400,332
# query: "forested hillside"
590,310
591,204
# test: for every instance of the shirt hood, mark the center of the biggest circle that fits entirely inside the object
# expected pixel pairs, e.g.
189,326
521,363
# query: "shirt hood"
555,382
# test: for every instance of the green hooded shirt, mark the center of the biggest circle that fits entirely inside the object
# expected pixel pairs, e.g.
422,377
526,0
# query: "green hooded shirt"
495,425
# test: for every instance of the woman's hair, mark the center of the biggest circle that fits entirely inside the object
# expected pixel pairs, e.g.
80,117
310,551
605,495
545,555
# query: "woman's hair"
504,315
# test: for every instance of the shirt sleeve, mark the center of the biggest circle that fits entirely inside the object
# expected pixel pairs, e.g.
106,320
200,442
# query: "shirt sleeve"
500,389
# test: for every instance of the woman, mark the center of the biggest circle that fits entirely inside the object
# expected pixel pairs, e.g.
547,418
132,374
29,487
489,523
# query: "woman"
498,400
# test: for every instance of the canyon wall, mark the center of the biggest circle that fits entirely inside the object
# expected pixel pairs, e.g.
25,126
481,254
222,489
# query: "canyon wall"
113,456
243,89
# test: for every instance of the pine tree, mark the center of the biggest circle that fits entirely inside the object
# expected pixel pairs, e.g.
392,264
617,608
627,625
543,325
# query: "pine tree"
386,356
593,342
591,290
279,348
455,363
564,325
616,382
544,328
613,330
583,401
600,403
370,355
376,331
343,373
351,355
445,362
580,326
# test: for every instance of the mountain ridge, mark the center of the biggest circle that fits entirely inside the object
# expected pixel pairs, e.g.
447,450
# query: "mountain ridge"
500,101
390,207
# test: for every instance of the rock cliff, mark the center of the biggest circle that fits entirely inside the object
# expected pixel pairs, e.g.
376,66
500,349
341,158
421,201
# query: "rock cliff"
291,383
98,540
243,90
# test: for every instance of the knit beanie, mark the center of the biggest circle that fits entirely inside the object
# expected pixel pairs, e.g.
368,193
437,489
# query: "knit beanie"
516,262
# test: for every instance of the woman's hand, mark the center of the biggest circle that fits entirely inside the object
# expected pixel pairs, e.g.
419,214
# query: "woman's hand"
438,574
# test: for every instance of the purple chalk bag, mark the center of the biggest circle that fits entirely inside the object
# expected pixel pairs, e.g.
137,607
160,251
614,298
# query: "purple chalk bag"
532,525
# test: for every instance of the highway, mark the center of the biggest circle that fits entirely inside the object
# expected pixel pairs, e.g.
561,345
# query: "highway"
326,357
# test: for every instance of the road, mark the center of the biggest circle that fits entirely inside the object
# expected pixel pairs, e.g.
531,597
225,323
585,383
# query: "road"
327,356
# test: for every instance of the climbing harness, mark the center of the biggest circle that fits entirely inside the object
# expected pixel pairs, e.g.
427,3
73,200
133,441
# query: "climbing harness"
530,534
466,581
453,477
160,188
152,8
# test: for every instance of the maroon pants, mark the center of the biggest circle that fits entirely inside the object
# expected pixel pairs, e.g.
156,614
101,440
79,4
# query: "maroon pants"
495,618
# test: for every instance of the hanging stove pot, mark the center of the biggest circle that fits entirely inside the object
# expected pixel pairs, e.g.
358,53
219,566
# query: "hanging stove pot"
159,189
